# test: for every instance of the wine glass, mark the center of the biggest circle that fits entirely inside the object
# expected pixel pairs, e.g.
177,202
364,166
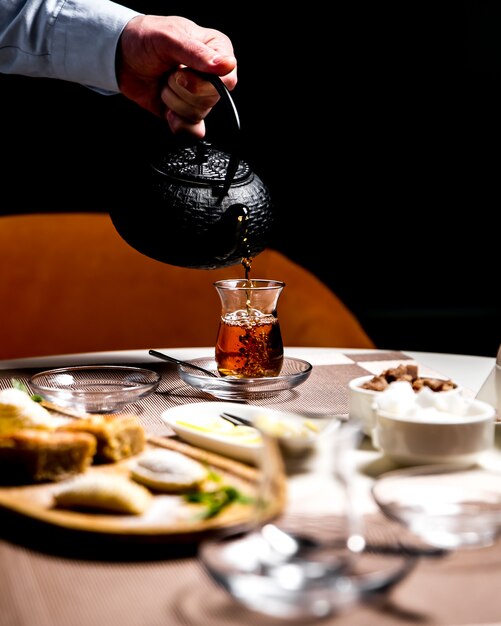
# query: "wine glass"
301,563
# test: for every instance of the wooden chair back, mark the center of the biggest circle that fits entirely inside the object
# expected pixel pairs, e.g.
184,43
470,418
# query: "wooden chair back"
69,284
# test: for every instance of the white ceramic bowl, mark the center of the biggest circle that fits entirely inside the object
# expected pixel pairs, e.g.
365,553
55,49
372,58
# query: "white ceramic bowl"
361,402
436,436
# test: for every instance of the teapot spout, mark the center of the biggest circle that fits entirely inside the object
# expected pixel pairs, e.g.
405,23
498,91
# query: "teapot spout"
232,227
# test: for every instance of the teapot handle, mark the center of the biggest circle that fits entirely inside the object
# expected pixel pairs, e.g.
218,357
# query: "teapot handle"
230,105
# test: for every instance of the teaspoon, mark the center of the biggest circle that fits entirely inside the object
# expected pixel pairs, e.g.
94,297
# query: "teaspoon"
171,359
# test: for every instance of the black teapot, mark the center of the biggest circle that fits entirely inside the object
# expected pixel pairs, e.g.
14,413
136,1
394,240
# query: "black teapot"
197,206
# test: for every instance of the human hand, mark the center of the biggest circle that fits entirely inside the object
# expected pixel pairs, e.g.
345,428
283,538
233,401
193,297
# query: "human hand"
153,58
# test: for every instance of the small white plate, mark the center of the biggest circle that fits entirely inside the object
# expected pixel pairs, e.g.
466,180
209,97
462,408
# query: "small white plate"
216,441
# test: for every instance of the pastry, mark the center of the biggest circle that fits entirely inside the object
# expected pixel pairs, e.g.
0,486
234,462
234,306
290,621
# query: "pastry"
118,435
104,492
19,411
168,470
36,455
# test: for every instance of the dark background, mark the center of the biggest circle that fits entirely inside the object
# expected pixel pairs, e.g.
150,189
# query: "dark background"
377,129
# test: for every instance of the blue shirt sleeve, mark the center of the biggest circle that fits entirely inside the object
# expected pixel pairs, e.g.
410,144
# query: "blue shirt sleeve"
72,40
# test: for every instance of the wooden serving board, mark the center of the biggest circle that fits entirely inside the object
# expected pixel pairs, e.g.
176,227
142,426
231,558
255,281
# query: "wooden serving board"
169,518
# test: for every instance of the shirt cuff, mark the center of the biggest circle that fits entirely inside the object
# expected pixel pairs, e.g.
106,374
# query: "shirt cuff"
85,41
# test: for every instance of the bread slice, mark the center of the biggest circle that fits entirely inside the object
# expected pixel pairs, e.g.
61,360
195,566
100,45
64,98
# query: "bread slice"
36,455
118,435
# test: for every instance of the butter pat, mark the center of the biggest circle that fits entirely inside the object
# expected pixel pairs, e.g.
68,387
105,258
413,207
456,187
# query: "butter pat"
218,426
287,427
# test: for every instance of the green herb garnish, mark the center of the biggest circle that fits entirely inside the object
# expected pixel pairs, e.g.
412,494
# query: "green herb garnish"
18,384
215,501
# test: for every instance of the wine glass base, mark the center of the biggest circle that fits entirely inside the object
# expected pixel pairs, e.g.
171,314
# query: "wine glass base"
296,588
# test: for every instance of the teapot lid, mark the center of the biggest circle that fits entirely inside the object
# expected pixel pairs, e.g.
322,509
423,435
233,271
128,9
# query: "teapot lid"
200,164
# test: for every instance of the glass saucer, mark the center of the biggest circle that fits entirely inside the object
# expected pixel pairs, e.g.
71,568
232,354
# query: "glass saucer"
95,388
294,372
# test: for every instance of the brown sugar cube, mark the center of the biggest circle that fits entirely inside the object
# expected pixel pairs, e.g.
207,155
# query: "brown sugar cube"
401,372
378,383
412,371
418,384
436,384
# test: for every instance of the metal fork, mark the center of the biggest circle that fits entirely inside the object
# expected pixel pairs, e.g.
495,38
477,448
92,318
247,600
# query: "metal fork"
236,419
